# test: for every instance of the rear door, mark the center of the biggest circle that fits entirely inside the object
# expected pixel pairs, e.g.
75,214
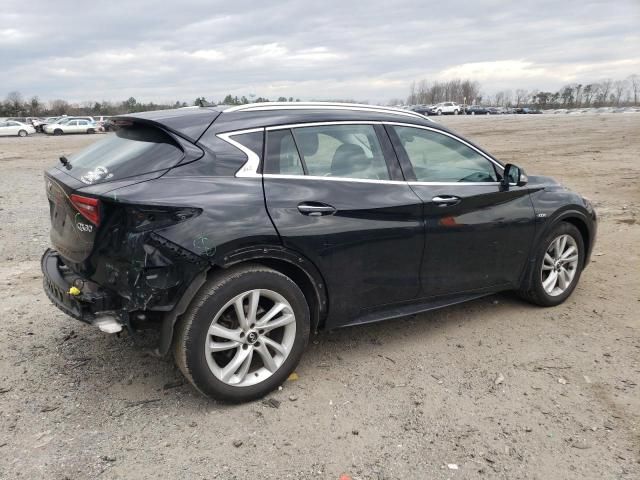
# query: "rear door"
335,193
478,236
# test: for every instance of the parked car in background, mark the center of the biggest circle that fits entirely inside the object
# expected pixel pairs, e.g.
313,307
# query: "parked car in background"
350,214
527,110
445,108
477,110
103,123
12,127
421,109
71,126
494,110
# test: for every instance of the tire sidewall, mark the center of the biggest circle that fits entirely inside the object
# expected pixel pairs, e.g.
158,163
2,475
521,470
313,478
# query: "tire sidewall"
562,228
22,133
195,353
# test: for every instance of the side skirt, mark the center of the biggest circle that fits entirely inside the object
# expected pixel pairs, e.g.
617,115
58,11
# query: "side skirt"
423,305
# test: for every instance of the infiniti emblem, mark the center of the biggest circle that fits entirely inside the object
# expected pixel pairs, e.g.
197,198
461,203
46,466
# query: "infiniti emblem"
252,337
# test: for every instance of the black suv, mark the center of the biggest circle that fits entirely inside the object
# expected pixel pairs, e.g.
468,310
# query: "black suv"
236,232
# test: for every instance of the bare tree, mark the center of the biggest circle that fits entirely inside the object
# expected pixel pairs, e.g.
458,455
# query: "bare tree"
58,107
605,89
521,97
619,86
15,103
588,93
34,106
634,80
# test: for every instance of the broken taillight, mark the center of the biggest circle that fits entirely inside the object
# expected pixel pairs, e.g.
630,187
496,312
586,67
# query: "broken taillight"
89,207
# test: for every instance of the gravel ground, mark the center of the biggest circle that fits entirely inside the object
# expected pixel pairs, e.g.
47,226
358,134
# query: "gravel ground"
495,388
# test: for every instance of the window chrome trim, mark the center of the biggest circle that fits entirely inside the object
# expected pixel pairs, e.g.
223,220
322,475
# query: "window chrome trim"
332,179
250,167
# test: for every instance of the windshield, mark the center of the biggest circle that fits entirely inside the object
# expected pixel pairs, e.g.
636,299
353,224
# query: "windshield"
132,150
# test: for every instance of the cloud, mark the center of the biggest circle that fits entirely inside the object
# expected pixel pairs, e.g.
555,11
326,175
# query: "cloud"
332,49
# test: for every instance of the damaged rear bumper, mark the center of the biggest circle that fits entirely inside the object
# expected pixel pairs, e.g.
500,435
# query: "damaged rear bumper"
91,304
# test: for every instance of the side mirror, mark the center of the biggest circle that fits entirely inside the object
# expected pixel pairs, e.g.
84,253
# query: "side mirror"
513,175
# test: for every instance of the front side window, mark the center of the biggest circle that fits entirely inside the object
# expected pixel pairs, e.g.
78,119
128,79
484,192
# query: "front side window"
347,151
436,157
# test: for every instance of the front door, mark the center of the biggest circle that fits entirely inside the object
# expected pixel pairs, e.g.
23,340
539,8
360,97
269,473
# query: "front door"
478,236
335,194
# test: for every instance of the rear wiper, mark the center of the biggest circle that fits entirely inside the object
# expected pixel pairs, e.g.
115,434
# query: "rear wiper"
65,161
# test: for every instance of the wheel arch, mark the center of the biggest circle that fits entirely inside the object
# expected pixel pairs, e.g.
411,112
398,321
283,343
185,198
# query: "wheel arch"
576,218
582,227
295,266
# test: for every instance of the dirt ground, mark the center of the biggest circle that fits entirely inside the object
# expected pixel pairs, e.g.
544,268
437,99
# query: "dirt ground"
495,388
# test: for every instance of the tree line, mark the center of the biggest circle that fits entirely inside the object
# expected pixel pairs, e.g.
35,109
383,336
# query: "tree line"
606,93
15,105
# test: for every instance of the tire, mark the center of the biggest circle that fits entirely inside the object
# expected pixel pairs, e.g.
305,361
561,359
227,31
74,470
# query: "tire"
57,132
537,293
22,133
473,113
439,112
455,112
488,113
91,131
214,307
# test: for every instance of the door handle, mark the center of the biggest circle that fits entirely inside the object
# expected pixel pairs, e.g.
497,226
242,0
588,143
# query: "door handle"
316,209
446,200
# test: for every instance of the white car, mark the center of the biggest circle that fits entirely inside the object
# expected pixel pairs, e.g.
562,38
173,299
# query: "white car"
70,126
444,108
11,127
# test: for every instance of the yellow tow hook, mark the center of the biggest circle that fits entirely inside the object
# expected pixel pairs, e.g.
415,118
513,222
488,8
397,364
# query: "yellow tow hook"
74,291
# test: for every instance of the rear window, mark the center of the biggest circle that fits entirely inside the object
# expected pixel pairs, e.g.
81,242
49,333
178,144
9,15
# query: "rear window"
130,151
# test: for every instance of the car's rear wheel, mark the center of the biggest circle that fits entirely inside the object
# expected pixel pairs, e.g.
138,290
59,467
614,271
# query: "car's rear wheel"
439,112
455,112
488,113
57,131
558,265
91,130
473,113
243,334
22,133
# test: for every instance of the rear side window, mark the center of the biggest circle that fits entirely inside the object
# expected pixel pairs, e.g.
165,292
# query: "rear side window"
131,150
282,154
348,151
345,151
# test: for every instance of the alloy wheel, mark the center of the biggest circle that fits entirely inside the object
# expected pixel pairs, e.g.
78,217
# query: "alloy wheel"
559,265
250,337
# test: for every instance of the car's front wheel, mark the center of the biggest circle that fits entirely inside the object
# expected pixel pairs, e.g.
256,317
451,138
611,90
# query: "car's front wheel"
558,265
243,334
22,133
57,131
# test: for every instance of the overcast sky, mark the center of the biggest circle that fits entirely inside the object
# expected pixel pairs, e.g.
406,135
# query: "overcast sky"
365,50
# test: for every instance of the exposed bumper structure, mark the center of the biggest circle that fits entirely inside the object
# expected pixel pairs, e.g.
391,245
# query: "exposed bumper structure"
91,303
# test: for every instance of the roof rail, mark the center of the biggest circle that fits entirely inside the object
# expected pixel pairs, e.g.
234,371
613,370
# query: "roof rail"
256,107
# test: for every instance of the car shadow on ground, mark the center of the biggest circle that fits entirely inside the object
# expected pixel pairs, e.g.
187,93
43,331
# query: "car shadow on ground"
126,368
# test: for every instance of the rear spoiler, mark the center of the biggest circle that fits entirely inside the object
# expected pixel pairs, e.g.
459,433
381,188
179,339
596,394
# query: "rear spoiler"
189,123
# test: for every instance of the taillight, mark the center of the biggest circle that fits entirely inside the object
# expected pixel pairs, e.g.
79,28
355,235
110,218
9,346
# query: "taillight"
89,208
